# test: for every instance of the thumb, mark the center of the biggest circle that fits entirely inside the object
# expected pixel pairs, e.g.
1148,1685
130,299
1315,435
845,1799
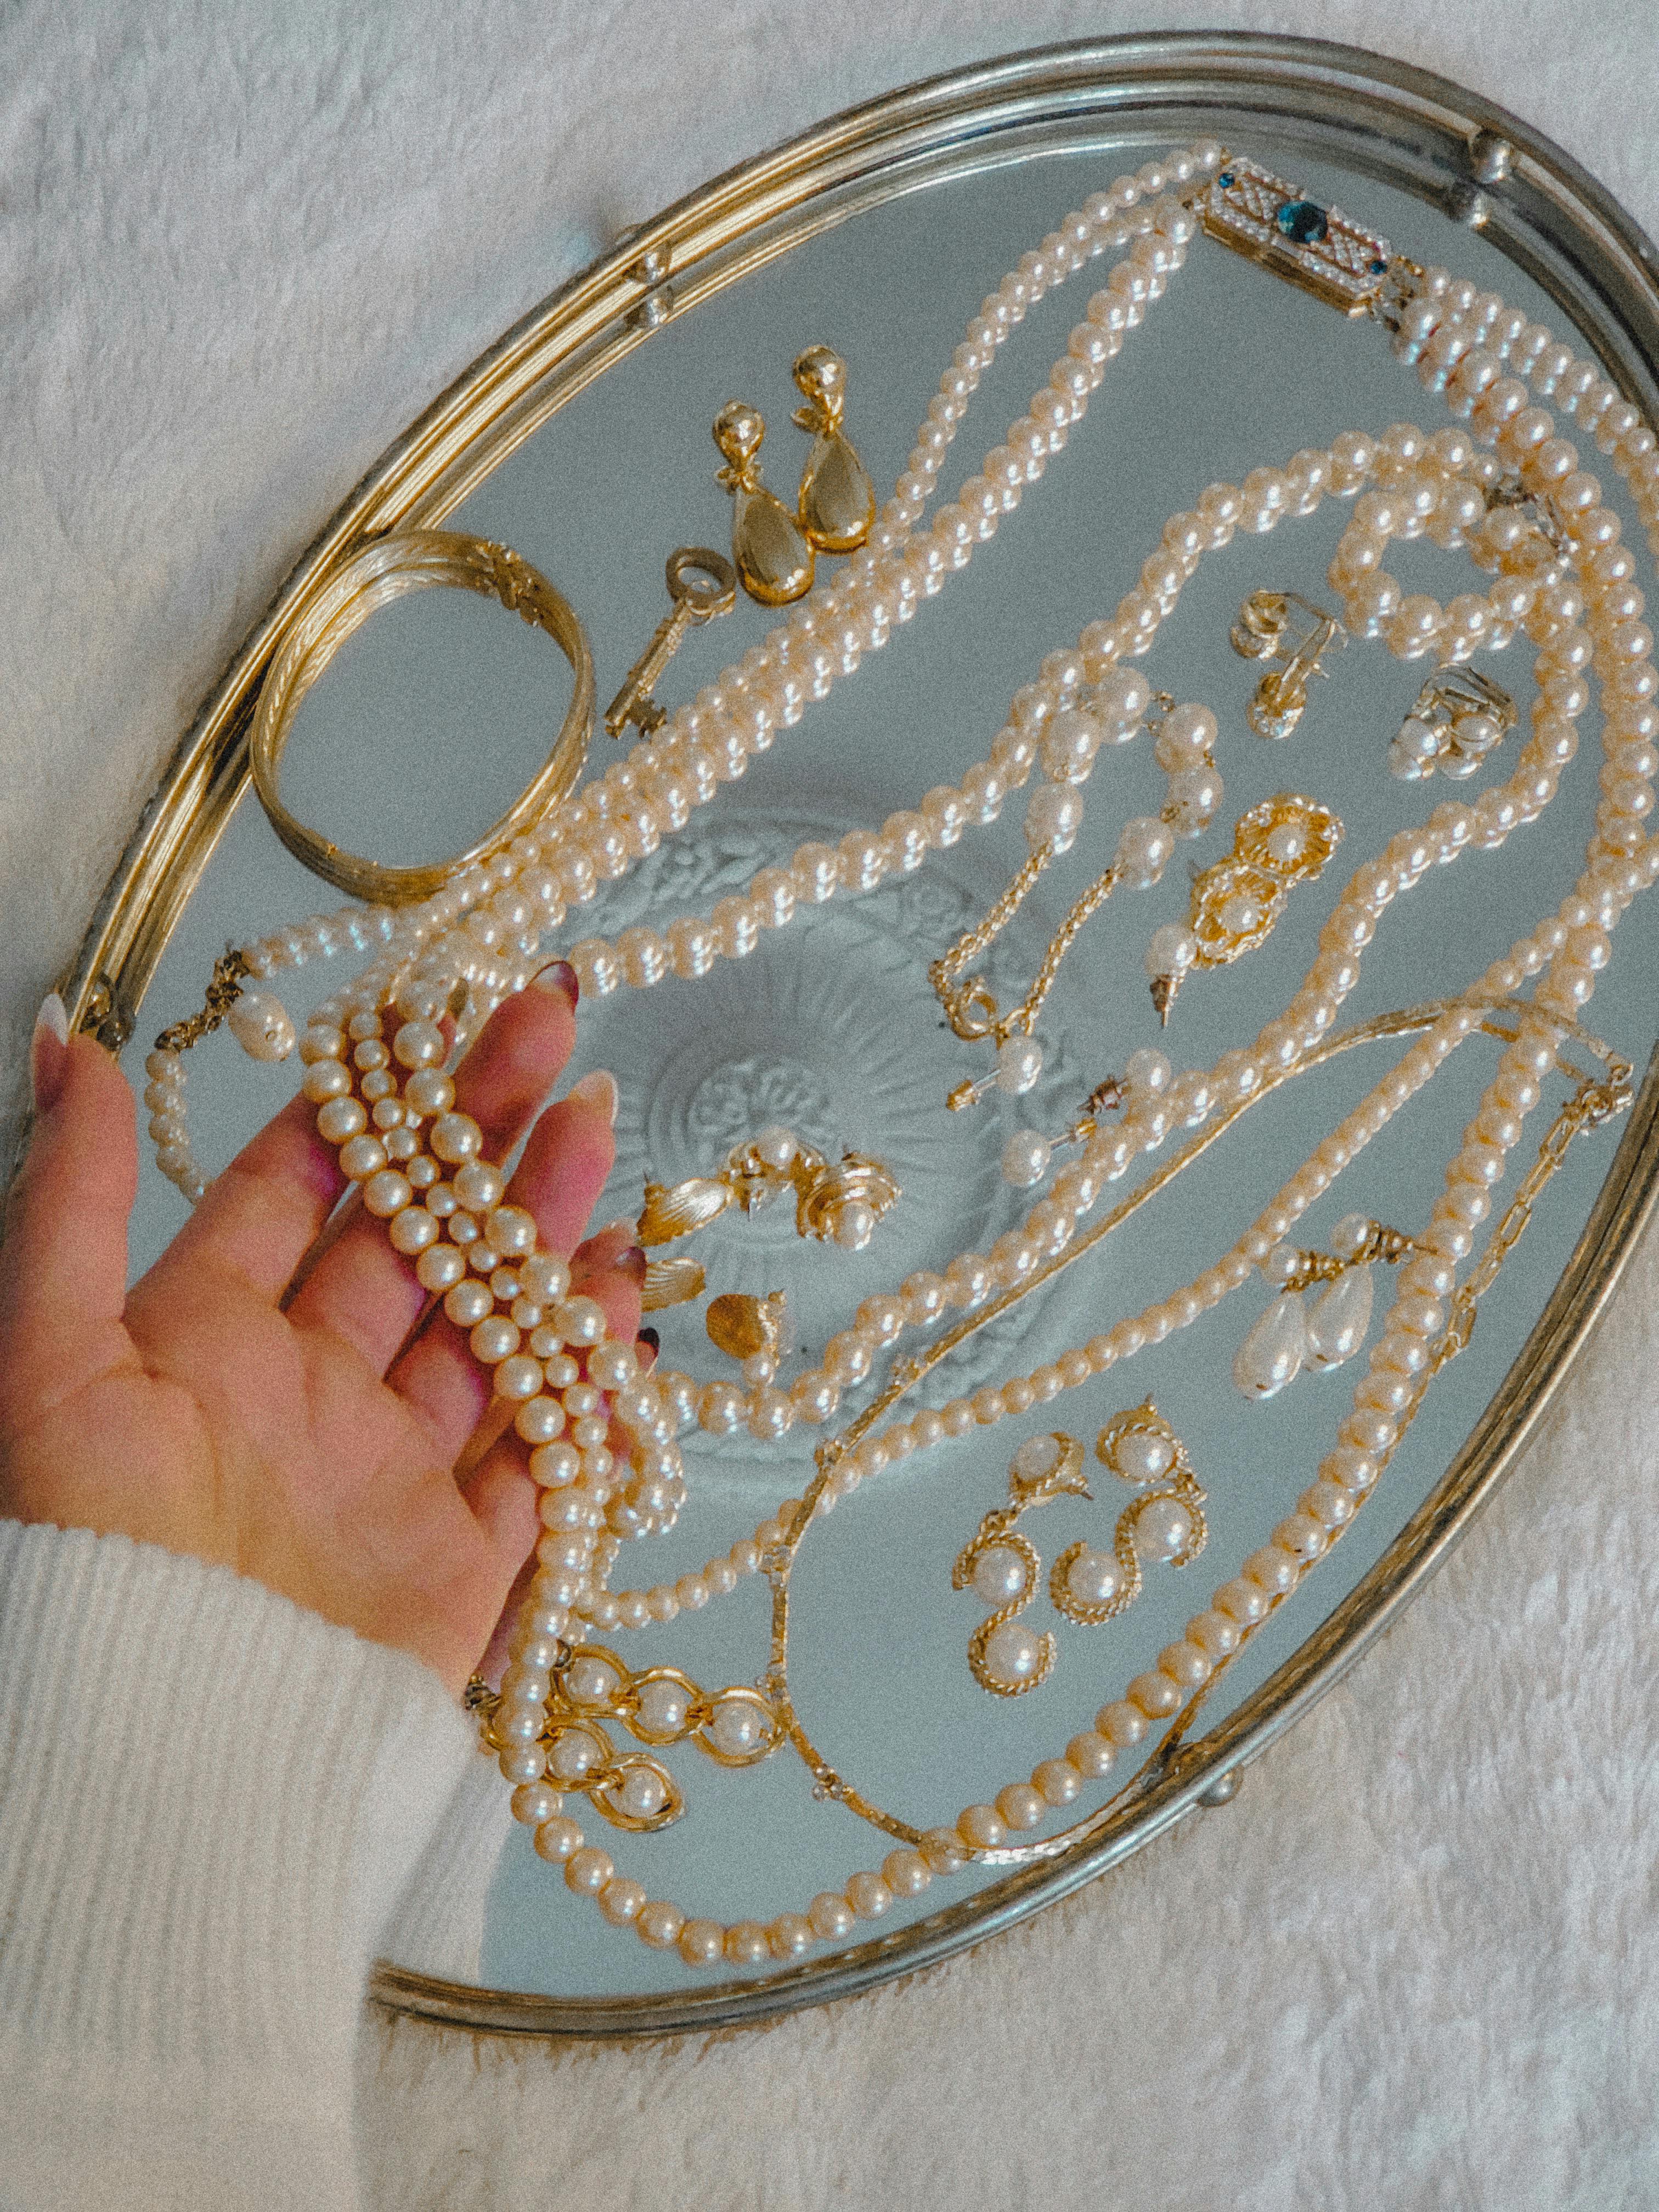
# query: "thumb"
63,1263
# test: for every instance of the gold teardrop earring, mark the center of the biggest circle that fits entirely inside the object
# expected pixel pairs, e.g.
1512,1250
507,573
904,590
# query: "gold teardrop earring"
837,501
774,562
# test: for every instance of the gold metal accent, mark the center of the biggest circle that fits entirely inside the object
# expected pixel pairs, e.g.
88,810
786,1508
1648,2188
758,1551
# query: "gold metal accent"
837,501
997,1531
740,1326
1178,1482
672,1210
1265,631
383,570
1315,247
230,970
671,1283
1389,1245
773,559
702,584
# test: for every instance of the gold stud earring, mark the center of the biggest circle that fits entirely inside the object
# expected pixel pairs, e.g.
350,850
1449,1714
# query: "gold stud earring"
774,562
1164,1524
1236,903
1456,719
837,502
1003,1568
1267,631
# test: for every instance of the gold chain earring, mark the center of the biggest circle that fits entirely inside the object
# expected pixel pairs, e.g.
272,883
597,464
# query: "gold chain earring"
1238,902
837,501
1266,630
1003,1567
774,562
1164,1524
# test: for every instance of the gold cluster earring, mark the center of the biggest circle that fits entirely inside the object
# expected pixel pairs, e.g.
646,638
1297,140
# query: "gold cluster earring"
837,1201
1237,902
776,552
1267,629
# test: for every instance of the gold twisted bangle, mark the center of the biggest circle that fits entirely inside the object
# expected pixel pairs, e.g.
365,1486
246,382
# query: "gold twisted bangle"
383,570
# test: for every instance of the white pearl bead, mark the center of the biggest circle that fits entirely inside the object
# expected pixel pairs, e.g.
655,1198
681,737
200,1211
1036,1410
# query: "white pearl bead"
1338,1320
1025,1157
999,1574
1019,1063
1094,1577
736,1728
1273,1350
1147,1069
1012,1653
1054,816
1141,1458
261,1025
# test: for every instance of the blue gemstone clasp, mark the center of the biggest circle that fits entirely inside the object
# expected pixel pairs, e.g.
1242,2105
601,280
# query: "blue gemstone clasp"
1302,221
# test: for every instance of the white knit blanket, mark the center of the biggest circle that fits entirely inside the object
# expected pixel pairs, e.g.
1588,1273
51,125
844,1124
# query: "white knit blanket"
1417,1962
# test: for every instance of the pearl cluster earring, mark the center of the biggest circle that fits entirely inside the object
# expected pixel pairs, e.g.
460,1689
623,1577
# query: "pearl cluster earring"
1456,719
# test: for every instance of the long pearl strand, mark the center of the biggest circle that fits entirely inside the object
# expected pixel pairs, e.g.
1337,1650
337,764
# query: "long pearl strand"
1571,947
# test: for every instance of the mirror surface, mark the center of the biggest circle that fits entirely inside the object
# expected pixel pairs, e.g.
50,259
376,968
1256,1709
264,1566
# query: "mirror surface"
434,718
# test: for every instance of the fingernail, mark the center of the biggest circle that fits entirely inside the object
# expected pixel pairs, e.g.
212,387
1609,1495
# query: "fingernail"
622,1221
558,975
630,1262
648,1340
599,1089
48,1052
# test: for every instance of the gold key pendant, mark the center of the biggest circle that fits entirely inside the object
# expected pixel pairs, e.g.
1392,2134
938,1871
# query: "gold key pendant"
701,584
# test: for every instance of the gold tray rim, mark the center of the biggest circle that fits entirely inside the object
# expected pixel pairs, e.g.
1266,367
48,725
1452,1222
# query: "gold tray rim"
1389,118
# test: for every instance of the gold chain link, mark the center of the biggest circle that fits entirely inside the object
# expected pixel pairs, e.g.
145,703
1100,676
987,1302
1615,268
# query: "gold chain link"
224,987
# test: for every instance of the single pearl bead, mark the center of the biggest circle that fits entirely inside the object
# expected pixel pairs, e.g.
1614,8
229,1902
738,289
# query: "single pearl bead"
1274,1349
1025,1157
999,1574
1054,816
1019,1063
1162,1529
1094,1578
736,1728
261,1024
1013,1654
1140,1458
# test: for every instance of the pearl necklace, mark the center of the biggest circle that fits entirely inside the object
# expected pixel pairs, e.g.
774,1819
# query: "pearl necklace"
484,930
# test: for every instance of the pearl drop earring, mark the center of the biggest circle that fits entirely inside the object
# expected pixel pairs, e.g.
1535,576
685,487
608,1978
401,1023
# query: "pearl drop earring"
1286,1337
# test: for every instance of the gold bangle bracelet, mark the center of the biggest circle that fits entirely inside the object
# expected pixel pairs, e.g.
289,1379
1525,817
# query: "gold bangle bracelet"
384,569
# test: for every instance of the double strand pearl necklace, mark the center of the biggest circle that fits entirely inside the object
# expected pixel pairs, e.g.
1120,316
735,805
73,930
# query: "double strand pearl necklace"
1462,341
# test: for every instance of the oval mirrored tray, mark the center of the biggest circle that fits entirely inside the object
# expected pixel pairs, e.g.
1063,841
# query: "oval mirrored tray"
581,441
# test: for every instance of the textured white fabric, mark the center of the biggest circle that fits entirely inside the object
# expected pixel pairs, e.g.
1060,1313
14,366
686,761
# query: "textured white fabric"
210,1800
1416,1964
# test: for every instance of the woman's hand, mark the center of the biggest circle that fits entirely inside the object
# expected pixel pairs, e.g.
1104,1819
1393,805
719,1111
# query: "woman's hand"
278,1398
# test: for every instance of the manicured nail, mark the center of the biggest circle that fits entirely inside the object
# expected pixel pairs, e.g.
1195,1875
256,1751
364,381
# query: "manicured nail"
622,1221
49,1051
649,1342
558,975
631,1263
599,1089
